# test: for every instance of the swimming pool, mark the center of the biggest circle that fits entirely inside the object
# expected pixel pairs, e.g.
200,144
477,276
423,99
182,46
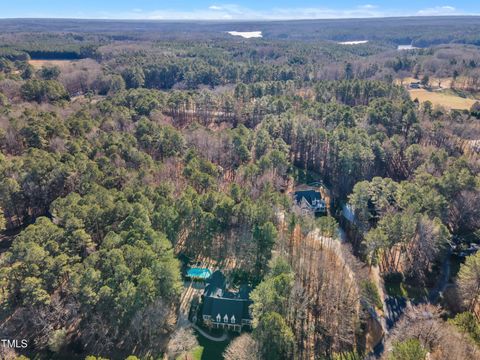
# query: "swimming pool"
199,273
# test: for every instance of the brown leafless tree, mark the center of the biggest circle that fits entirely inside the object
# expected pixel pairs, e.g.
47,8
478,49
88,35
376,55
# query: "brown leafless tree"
243,347
439,338
181,341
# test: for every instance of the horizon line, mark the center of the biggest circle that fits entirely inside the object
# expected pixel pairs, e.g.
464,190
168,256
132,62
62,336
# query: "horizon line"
241,20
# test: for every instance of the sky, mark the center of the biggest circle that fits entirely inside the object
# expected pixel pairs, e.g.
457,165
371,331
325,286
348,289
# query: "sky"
233,9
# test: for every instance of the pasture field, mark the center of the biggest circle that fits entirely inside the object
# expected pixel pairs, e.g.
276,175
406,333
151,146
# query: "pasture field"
447,100
41,63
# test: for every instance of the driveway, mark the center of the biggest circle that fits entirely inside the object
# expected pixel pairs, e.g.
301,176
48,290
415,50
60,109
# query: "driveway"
395,306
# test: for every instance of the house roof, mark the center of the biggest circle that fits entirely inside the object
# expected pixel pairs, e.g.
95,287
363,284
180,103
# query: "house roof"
219,300
224,306
308,195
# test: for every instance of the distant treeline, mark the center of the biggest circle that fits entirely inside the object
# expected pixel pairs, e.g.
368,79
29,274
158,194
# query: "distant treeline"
49,46
421,31
12,54
78,52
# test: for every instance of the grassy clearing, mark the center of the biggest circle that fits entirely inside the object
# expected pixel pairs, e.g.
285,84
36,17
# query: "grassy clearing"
195,354
41,63
207,350
397,288
442,83
404,290
447,100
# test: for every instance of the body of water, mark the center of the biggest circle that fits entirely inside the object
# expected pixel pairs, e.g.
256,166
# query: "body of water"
246,34
406,47
356,42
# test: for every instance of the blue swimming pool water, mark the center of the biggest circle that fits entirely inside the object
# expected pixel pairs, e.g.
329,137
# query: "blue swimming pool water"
201,273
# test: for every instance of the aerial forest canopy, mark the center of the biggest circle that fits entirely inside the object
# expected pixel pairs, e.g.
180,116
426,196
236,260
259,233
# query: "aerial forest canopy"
131,151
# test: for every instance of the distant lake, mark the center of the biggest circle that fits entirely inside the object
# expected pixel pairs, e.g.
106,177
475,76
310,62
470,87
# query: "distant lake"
246,34
406,47
356,42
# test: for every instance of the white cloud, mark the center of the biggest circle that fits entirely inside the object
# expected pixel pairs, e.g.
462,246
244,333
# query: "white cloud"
368,6
237,12
439,10
219,11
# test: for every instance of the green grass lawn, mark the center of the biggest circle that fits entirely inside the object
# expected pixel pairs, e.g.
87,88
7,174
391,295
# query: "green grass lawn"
401,289
395,288
195,354
415,293
455,263
207,350
302,176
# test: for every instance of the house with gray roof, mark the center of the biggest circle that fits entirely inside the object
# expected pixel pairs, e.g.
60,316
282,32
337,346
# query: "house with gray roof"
225,309
310,201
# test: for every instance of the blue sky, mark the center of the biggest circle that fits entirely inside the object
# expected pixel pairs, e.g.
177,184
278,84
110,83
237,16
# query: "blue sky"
233,10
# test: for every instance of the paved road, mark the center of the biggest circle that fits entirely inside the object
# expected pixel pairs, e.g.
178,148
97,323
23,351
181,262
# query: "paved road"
395,306
436,292
210,337
342,235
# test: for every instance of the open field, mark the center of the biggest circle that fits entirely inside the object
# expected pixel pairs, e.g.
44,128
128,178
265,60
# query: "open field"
449,101
41,63
461,82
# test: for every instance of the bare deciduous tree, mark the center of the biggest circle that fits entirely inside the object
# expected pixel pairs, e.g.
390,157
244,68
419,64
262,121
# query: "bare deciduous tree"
439,338
243,347
181,341
7,353
325,312
150,326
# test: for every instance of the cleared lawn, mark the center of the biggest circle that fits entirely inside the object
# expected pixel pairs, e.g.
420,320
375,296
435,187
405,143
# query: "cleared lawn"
207,350
195,354
449,101
442,83
60,63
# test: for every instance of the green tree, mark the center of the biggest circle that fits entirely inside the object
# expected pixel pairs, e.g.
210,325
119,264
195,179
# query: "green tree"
134,77
33,292
347,356
43,90
265,236
3,222
57,340
275,337
468,281
425,80
50,72
272,294
475,109
468,324
410,349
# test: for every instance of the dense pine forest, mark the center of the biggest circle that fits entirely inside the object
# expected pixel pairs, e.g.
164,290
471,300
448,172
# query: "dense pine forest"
133,151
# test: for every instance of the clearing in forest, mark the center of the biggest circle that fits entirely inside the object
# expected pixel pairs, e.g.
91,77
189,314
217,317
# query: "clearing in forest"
449,101
41,63
460,83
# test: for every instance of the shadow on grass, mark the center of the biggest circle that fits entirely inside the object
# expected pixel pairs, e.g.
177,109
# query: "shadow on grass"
212,350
